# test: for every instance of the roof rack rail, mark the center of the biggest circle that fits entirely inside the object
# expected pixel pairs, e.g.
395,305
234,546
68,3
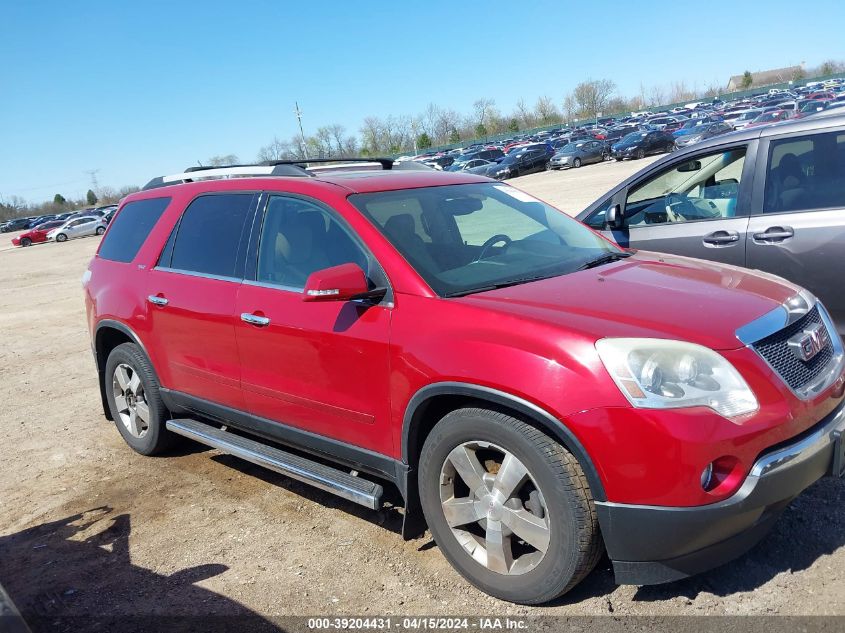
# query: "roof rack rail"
300,168
226,171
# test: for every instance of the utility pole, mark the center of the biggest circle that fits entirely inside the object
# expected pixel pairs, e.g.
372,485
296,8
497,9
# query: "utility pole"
93,174
301,133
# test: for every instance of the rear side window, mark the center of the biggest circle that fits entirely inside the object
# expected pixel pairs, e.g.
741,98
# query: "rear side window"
130,229
209,235
805,173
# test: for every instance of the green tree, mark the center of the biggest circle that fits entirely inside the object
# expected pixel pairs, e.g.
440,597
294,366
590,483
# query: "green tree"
59,199
513,126
481,131
798,74
423,141
747,80
454,137
91,198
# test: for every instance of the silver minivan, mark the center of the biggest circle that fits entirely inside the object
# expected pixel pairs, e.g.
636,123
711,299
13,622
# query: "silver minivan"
770,198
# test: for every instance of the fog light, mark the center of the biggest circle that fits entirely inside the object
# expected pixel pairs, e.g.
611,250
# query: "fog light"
707,476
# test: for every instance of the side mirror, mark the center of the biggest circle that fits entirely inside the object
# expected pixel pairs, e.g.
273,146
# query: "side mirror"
613,217
338,283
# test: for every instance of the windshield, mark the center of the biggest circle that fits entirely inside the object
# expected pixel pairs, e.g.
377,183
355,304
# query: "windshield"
473,237
634,137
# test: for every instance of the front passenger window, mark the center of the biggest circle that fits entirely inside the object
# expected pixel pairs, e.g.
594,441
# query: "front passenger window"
702,188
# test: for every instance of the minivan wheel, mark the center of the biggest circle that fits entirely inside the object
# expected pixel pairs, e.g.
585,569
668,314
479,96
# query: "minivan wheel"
101,230
61,237
135,403
25,241
508,506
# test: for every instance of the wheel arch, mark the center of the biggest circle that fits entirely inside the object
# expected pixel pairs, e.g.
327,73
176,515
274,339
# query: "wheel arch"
431,403
107,335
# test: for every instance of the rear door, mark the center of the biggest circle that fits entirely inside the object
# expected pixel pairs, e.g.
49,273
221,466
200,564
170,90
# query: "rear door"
695,206
191,298
798,229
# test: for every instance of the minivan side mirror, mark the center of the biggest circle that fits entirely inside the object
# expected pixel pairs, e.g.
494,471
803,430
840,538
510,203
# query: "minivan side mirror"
338,283
613,217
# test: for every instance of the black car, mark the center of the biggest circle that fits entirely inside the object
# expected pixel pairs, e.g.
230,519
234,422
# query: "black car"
17,224
484,154
641,144
524,161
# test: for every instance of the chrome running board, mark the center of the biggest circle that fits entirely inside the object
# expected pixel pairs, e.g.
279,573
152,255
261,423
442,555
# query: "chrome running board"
337,482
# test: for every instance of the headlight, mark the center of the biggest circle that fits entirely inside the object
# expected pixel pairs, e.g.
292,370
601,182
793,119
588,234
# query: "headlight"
665,374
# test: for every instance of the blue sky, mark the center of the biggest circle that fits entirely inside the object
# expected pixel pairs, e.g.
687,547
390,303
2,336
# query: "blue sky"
139,89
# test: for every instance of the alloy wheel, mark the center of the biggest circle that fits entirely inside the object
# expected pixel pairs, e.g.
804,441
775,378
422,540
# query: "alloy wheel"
494,508
129,398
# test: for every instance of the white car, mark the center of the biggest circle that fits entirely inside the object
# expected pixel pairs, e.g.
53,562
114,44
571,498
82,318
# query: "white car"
78,227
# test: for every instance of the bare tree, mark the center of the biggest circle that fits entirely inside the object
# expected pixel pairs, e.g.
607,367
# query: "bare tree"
592,95
546,111
570,108
524,113
222,159
656,96
277,149
482,108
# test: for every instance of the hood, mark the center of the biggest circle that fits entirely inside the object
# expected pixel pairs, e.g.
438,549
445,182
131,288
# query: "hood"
647,295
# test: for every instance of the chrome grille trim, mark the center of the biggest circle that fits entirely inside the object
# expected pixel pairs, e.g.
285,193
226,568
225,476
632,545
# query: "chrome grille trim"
783,316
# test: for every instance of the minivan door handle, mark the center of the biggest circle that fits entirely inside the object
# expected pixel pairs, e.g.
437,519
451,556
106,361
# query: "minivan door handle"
721,238
157,300
255,319
774,234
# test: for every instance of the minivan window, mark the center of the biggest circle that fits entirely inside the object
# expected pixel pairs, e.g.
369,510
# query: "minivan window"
130,228
805,173
209,234
703,188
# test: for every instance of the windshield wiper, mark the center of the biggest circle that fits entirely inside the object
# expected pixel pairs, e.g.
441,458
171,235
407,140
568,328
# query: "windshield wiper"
503,284
604,259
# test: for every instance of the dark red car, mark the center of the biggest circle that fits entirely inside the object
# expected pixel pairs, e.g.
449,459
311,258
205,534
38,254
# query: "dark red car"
534,394
36,235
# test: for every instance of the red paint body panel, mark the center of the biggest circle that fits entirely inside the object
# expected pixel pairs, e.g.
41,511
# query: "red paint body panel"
36,237
348,372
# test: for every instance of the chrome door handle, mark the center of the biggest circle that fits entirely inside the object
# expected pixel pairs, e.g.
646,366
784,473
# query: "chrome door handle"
159,301
775,234
254,319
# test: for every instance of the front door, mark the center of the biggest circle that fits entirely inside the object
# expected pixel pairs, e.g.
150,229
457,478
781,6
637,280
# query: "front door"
800,232
191,299
692,207
319,366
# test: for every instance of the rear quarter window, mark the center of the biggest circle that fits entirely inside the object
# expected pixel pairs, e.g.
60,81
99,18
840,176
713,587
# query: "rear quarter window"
130,229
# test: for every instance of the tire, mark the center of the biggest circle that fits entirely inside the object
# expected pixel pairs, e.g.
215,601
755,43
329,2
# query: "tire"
25,241
618,159
127,364
553,493
548,165
576,163
101,230
61,237
640,154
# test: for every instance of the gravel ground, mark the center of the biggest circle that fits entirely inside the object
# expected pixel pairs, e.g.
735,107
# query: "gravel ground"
89,528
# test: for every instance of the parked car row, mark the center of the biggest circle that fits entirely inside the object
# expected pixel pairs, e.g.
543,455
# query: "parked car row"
636,136
21,224
62,229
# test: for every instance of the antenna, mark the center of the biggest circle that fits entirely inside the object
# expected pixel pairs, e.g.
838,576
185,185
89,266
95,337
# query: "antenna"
298,113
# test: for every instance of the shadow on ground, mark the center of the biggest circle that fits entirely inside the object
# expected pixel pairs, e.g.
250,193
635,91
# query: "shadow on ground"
75,574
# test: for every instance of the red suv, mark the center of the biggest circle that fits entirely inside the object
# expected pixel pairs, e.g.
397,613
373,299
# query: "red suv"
535,394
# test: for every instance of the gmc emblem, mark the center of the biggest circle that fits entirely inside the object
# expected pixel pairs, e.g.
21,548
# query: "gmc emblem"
805,345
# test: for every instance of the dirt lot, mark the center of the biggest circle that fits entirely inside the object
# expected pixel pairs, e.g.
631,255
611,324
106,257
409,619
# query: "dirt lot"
88,527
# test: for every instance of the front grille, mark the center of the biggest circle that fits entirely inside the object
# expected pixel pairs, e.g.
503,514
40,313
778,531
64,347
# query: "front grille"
795,372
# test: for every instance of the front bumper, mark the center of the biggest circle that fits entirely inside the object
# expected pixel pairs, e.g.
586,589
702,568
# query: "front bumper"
655,544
